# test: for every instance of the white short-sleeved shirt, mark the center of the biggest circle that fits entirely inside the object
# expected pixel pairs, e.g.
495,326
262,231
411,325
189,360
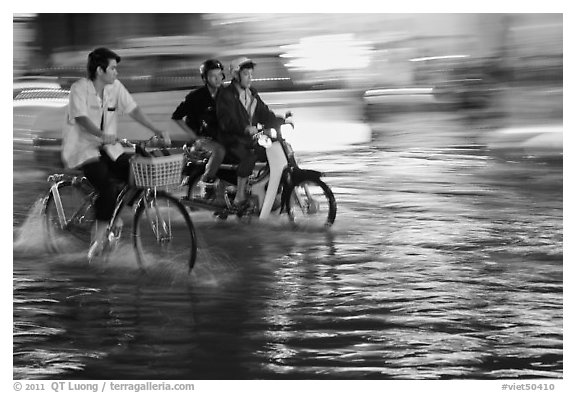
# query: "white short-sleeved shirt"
78,145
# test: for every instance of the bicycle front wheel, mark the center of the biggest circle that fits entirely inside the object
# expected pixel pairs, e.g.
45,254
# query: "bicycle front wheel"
69,230
312,205
163,232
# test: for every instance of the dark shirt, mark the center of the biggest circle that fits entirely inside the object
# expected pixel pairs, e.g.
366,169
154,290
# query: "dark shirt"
234,118
199,109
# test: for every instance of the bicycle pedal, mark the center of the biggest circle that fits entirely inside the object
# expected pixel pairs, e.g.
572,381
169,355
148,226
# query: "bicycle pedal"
112,243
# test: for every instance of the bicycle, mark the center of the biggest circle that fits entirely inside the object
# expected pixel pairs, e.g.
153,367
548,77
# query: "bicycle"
162,227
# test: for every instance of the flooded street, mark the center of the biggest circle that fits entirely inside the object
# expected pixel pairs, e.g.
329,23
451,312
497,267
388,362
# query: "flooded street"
443,263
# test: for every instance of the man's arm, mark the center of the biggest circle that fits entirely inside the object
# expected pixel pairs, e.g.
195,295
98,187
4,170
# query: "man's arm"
138,115
127,104
78,110
90,127
265,115
186,109
182,124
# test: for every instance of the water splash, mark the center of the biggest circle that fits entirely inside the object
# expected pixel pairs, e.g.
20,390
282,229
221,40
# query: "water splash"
32,240
31,237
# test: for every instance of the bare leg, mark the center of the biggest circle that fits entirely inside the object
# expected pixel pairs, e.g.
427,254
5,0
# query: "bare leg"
99,230
98,238
241,191
217,153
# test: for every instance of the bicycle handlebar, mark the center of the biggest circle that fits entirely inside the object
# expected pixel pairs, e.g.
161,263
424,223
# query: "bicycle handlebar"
126,143
154,141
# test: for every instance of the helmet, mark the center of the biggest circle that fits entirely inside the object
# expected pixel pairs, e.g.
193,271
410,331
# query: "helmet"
211,64
242,62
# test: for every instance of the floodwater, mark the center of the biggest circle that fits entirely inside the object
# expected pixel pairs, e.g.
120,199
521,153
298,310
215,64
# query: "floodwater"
443,263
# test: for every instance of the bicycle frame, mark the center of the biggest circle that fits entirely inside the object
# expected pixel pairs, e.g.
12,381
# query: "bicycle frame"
58,203
160,225
56,181
157,222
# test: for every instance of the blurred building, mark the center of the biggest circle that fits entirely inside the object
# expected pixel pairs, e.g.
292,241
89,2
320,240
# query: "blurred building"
351,66
403,49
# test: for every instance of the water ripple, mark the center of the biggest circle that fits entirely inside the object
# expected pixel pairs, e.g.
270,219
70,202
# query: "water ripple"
441,265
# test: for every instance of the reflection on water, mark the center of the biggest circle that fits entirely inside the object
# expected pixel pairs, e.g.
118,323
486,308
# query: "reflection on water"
441,264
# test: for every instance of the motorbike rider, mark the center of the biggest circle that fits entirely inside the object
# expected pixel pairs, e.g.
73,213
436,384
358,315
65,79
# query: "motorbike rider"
89,134
239,109
199,110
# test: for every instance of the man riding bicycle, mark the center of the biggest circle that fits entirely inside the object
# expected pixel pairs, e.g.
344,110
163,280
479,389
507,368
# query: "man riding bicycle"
89,135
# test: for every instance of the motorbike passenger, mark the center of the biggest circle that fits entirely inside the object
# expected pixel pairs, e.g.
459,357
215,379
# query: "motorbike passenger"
89,134
239,109
199,110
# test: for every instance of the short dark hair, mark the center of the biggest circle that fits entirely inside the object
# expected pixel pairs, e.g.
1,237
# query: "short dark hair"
100,57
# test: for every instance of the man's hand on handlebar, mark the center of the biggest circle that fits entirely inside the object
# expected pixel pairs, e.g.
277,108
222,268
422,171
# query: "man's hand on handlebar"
251,130
289,119
161,139
166,138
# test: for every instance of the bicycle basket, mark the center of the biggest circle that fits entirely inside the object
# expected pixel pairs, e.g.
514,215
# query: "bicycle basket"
149,172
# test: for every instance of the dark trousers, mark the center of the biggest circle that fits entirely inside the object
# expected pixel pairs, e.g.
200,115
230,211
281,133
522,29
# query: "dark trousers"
247,157
104,175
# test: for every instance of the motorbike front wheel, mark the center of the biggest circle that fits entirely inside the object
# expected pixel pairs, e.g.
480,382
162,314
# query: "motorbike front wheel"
312,205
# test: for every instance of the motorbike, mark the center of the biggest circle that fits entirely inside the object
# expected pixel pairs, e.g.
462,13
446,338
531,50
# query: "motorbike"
277,186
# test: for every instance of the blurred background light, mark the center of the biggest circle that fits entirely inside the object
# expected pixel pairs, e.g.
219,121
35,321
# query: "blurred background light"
328,52
446,57
347,74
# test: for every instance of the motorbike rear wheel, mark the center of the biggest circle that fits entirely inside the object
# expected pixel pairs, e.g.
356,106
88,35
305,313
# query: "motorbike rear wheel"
311,205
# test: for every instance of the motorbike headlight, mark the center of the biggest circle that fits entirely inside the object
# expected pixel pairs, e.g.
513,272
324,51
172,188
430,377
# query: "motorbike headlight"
264,141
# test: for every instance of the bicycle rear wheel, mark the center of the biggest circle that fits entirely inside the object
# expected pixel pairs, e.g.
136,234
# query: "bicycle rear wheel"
70,233
312,205
163,232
